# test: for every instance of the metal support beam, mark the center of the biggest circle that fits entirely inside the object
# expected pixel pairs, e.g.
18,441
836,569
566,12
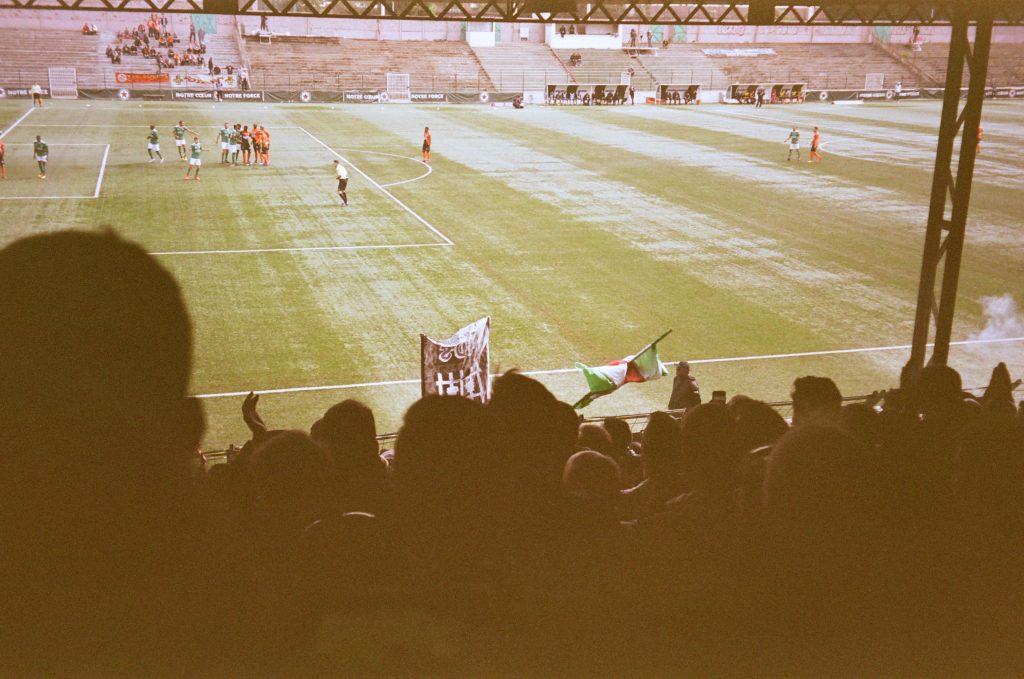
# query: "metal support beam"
603,12
951,194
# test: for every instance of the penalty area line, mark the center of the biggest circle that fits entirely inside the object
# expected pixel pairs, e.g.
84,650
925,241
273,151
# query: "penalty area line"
103,169
323,248
17,122
421,220
559,371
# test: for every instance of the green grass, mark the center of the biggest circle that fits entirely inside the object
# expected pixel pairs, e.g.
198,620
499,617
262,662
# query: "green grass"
584,234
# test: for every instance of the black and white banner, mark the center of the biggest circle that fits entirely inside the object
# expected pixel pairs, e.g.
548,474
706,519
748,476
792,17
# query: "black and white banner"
459,365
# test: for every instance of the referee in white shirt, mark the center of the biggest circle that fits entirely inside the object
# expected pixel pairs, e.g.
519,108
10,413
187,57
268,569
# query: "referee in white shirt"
342,175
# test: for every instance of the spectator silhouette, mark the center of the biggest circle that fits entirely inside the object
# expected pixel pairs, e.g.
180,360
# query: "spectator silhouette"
685,390
815,399
661,454
99,567
349,432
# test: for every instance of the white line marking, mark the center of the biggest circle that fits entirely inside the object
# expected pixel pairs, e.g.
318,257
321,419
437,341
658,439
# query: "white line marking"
29,143
558,371
146,125
103,168
47,197
308,249
17,122
395,155
387,193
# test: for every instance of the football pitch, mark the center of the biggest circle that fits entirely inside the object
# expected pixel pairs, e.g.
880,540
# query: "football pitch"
584,234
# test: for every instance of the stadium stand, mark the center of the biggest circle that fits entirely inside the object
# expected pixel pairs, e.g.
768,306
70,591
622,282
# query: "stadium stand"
523,67
1005,66
338,63
27,53
607,66
685,63
825,66
493,539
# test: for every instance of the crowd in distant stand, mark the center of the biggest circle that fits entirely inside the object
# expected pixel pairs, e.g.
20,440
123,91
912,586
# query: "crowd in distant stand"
154,39
879,538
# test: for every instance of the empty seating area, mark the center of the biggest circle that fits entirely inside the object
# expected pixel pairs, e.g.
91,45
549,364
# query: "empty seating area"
336,63
607,66
521,68
26,55
826,66
685,63
1005,65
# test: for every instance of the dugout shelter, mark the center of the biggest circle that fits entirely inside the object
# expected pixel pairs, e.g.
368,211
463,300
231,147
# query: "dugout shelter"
677,94
585,94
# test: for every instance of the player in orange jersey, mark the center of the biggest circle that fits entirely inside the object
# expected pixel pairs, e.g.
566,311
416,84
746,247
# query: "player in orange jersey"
266,145
981,130
426,144
3,163
814,146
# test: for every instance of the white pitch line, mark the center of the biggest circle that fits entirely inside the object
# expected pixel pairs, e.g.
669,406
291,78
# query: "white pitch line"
29,143
387,193
395,155
146,125
103,168
300,249
47,197
17,122
831,352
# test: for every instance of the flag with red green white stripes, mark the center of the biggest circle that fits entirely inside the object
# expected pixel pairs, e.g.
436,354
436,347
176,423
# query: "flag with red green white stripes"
640,367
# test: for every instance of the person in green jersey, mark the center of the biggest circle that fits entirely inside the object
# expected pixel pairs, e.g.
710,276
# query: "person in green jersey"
794,144
225,142
154,144
179,139
195,159
41,151
235,143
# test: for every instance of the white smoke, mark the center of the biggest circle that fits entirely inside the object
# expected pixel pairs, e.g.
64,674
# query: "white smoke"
1002,320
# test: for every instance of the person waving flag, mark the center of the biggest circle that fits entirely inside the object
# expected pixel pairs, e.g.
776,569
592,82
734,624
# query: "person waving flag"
643,366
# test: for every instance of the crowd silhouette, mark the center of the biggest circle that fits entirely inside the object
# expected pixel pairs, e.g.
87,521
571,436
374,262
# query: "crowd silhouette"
498,539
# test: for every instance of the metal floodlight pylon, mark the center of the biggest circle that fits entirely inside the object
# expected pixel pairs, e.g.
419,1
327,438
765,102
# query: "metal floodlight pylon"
951,193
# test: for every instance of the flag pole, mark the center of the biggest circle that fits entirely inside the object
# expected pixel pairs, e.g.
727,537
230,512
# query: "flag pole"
667,333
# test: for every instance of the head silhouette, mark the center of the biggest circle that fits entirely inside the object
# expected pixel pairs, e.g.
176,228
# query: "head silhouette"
97,348
815,399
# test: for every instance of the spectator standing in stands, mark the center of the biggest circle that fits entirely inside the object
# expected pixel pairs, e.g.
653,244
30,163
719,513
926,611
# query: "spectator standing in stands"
632,37
209,66
649,37
897,90
685,390
816,400
202,35
561,31
342,175
243,78
191,33
426,144
37,95
264,26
